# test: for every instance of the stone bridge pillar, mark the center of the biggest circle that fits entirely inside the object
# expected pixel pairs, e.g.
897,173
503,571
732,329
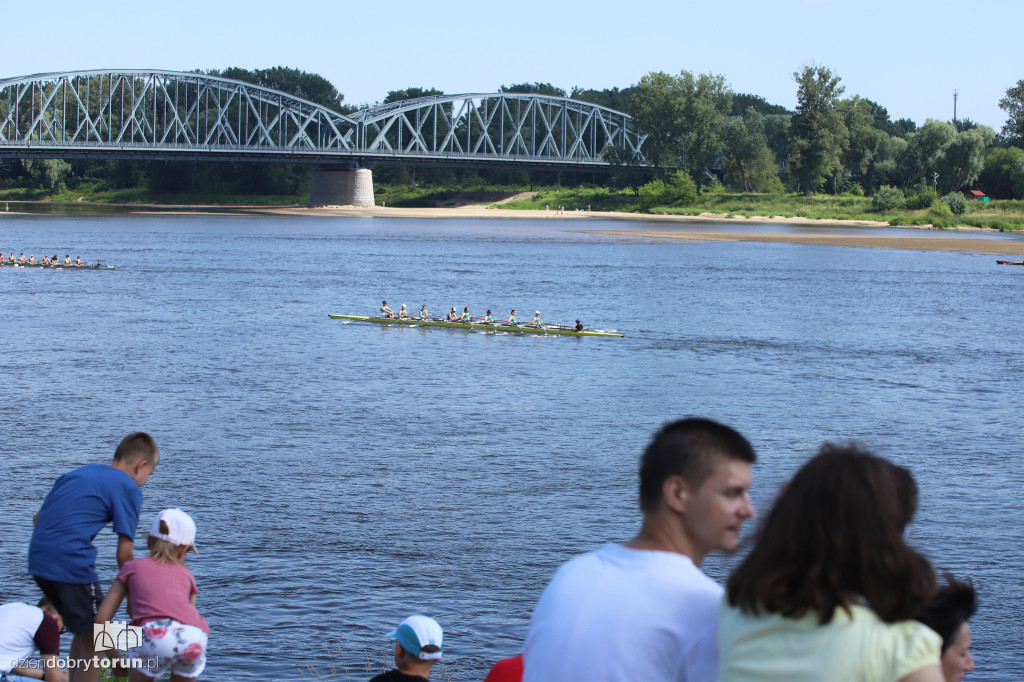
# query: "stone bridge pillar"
332,186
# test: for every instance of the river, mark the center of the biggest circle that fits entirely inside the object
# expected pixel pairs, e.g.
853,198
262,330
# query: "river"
345,475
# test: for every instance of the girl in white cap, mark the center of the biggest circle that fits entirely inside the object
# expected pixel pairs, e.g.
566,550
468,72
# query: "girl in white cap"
161,598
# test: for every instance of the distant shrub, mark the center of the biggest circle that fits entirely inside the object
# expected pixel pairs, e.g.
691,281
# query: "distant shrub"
714,187
682,189
855,190
887,198
941,210
956,202
651,194
926,198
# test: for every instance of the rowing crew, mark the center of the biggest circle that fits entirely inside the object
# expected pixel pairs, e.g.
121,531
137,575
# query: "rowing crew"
31,260
453,316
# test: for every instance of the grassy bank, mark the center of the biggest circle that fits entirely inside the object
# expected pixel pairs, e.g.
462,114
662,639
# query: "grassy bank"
999,215
1006,215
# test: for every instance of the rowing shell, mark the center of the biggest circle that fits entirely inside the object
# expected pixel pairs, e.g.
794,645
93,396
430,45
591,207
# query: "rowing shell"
523,329
1009,262
59,266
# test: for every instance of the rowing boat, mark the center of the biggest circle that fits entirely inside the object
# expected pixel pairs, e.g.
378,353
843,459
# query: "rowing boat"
59,266
480,326
1009,262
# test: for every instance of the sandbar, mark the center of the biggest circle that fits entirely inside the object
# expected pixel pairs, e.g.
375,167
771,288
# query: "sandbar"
922,239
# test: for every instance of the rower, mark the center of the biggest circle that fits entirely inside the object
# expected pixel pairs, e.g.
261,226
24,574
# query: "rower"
423,312
12,259
536,319
403,313
488,318
578,327
465,315
453,316
21,258
31,258
385,311
46,260
67,259
55,260
512,319
78,260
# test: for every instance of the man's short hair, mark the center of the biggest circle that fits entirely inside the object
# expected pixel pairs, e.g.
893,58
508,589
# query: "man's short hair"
46,605
135,446
687,448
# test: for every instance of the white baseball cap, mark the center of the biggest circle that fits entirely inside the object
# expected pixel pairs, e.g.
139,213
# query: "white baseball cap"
181,529
416,632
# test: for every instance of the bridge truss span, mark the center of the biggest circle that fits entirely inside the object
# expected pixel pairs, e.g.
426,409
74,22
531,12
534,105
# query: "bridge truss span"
170,115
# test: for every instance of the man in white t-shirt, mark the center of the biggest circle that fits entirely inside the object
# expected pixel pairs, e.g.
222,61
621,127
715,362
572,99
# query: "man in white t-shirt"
643,611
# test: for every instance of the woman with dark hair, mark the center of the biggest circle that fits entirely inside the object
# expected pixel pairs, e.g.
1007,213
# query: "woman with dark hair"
947,613
830,589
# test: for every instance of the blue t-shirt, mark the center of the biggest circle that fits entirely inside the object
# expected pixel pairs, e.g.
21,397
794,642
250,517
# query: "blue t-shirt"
79,505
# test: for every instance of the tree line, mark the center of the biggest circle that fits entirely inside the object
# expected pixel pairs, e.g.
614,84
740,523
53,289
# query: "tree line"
829,144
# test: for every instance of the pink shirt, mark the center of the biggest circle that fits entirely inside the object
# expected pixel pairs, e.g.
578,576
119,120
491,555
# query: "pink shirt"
160,590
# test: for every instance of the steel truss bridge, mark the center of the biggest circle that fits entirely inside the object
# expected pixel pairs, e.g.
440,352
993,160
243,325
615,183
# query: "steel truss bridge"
166,115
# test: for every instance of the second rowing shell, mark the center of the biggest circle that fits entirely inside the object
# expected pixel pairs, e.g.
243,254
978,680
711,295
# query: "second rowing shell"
481,326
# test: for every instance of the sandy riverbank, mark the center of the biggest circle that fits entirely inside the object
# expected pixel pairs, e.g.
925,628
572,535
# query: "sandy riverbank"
915,238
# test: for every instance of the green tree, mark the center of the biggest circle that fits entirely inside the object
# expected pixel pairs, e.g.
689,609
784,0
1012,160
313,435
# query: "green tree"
963,158
1013,105
613,98
1017,178
534,89
996,178
707,103
748,162
818,135
657,107
309,86
924,153
410,93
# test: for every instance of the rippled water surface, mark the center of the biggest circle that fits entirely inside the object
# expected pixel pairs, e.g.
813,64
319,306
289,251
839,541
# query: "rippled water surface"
344,475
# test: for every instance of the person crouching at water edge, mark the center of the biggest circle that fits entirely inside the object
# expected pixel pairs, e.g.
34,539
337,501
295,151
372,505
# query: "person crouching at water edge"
161,600
418,641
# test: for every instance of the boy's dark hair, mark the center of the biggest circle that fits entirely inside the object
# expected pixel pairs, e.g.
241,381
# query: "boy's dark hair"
135,446
951,607
835,533
688,448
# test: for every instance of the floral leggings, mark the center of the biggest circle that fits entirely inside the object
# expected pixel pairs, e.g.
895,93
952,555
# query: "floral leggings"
169,645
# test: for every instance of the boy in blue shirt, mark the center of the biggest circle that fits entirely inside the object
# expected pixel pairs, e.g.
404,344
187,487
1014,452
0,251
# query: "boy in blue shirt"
61,556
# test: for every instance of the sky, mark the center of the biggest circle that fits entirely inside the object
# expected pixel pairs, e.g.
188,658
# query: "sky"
907,56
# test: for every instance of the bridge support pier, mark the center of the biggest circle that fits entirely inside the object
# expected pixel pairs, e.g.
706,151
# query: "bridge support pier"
341,187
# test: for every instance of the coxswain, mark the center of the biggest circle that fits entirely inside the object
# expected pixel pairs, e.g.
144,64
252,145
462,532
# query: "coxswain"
488,318
67,259
385,311
578,327
403,313
536,321
453,316
424,315
512,319
465,315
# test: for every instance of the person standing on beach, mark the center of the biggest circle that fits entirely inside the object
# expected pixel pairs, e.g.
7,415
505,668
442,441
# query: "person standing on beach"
644,610
61,556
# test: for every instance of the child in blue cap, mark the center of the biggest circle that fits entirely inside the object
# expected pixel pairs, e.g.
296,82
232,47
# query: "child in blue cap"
417,648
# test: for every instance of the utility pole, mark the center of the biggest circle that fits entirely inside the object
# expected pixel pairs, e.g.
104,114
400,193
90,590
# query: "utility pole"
956,124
